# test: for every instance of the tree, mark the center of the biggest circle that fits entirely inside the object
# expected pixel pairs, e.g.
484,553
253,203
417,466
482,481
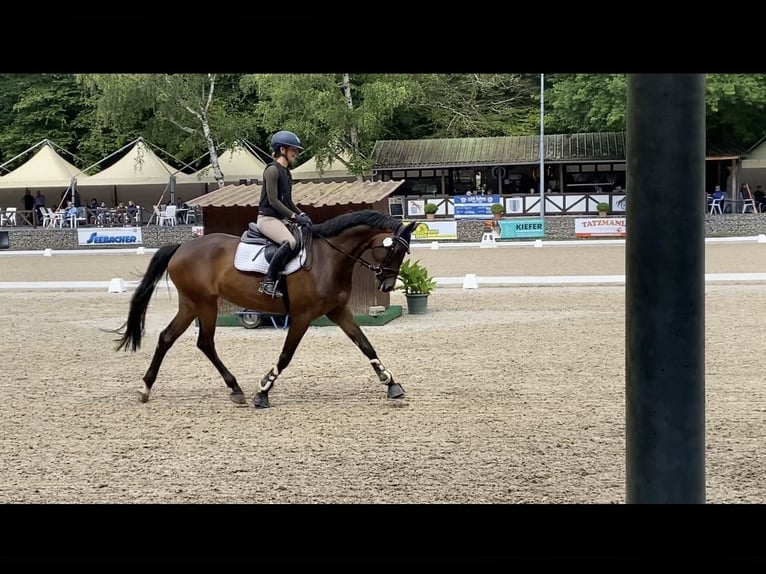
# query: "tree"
334,114
577,103
735,105
201,118
479,105
34,107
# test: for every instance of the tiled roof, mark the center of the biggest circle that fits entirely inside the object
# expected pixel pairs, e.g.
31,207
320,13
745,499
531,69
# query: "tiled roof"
559,148
304,193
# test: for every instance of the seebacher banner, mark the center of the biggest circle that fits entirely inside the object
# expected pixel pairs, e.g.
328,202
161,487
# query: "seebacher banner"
109,236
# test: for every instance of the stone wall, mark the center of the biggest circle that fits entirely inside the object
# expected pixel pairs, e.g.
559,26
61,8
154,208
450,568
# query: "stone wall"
557,227
30,239
561,227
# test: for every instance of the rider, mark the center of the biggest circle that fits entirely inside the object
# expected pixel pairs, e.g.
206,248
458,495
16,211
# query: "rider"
276,205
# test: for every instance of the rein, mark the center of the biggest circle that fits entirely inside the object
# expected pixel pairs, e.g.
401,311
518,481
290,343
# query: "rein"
378,270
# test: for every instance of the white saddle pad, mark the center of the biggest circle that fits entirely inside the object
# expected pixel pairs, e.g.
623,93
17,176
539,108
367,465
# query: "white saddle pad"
243,259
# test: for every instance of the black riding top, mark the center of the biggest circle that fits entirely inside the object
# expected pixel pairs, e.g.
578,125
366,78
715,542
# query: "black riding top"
277,192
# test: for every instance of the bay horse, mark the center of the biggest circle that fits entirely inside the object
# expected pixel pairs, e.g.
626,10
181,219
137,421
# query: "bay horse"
202,270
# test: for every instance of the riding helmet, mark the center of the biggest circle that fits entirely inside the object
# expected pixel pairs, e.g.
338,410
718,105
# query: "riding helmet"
287,139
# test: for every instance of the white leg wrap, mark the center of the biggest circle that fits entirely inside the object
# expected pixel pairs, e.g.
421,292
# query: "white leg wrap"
384,374
264,386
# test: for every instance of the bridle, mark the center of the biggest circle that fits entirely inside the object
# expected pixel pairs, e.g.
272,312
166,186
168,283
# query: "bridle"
389,243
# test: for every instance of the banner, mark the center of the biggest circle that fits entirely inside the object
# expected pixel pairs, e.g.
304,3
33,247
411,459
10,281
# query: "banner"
600,227
475,206
434,229
525,227
127,236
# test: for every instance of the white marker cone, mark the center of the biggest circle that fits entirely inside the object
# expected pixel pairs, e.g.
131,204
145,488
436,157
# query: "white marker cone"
434,245
488,240
48,252
140,251
538,242
117,285
470,281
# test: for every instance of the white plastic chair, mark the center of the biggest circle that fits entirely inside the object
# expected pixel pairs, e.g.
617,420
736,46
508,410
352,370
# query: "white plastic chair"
168,216
715,206
45,220
56,217
9,217
747,199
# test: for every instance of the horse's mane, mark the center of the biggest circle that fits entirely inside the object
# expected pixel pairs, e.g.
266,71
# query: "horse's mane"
370,217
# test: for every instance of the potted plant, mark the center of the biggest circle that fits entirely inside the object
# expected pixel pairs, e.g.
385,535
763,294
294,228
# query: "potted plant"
430,210
417,284
497,210
603,209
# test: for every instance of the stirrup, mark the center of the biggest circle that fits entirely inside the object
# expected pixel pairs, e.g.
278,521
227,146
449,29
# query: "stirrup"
269,287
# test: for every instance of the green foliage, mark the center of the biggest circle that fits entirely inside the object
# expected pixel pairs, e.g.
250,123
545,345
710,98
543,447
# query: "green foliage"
93,115
586,103
415,278
497,208
603,206
34,107
430,208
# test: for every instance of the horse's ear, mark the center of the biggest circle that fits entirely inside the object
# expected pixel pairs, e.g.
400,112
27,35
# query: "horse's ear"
411,226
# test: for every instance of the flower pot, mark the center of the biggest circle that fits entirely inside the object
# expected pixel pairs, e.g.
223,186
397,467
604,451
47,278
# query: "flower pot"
417,303
430,216
497,215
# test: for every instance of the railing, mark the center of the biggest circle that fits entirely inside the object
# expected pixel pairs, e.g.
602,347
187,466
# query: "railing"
524,204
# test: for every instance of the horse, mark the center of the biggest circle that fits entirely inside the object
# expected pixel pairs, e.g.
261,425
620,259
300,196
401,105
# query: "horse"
203,270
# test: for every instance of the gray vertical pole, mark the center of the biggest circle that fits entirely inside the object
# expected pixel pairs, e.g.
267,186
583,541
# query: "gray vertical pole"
542,145
665,289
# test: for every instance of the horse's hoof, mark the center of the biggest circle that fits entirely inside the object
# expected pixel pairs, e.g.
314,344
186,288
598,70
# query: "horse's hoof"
238,398
395,391
142,397
261,400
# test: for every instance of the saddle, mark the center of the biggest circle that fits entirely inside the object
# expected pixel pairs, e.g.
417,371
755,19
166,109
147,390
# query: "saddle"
255,250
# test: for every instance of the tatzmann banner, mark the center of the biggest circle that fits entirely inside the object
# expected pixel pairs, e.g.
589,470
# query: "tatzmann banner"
127,236
600,227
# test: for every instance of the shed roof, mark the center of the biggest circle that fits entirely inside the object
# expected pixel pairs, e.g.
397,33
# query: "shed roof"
317,194
504,150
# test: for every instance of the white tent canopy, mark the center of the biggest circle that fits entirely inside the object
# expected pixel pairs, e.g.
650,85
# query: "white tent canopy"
335,170
139,166
237,163
142,176
45,169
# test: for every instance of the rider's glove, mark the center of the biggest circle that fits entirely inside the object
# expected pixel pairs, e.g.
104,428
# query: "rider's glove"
303,220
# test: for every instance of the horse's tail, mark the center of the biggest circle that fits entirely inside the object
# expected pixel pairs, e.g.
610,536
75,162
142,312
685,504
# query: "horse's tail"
134,326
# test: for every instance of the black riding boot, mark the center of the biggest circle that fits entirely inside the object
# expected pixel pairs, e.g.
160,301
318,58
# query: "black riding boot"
269,284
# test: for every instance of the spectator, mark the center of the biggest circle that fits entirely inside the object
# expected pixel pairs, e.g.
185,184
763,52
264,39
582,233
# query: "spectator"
760,198
132,212
40,204
29,203
719,194
70,215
